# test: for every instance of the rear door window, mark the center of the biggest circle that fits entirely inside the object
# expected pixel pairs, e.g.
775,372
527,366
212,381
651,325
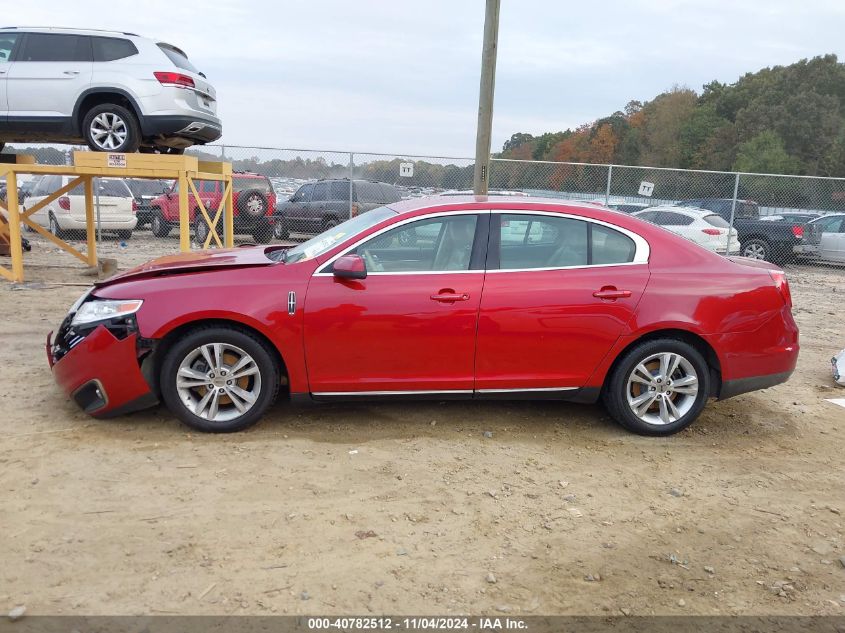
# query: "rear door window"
368,191
668,218
539,241
339,190
108,49
55,47
321,192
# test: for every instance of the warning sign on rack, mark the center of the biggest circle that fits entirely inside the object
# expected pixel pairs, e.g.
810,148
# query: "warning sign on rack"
116,160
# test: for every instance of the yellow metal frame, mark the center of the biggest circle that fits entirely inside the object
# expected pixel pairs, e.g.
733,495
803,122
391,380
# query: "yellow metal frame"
89,165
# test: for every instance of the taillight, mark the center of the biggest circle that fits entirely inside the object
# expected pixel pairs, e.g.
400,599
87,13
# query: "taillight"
711,231
166,78
798,231
355,209
134,205
779,277
64,203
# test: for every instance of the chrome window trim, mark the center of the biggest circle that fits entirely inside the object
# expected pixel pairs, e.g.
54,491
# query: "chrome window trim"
642,249
321,270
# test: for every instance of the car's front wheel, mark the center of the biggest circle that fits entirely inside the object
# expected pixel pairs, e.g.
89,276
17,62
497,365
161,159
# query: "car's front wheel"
658,387
111,128
158,225
219,379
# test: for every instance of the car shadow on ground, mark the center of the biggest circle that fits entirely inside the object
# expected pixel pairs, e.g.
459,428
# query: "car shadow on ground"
521,421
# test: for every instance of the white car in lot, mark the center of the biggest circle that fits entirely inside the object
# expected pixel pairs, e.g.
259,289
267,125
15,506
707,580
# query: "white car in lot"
117,92
826,240
67,213
701,226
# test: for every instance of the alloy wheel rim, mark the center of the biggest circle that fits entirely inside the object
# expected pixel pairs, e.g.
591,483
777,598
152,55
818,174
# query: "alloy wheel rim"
109,131
662,388
755,251
218,382
254,205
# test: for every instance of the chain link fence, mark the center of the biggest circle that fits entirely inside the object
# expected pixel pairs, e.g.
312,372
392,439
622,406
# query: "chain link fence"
289,195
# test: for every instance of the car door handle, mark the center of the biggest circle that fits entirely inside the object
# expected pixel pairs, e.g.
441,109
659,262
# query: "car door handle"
610,292
450,296
71,72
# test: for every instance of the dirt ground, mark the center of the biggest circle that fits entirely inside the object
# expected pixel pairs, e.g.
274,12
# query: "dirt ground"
410,508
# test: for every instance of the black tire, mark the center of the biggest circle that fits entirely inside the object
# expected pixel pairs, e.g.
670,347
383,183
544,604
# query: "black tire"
330,222
263,357
55,228
756,248
124,123
252,203
201,229
124,235
262,233
280,230
158,225
615,392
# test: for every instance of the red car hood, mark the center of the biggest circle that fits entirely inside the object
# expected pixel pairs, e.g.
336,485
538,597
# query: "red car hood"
194,262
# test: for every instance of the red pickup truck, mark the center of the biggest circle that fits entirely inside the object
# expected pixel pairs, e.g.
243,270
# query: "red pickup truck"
252,197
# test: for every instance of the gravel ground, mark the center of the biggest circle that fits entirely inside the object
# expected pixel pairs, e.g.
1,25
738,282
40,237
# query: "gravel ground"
417,508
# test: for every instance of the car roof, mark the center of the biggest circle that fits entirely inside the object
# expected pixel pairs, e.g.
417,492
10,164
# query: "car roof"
60,29
494,202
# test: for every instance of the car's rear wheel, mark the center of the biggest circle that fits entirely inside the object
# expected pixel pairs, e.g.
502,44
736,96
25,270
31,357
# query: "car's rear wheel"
280,230
329,223
111,128
756,249
219,379
658,388
54,227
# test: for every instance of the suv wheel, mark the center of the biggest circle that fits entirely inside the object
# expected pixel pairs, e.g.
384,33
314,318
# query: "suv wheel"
252,203
329,223
111,128
158,225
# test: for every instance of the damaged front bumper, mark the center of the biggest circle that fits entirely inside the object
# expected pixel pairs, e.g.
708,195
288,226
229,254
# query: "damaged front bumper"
100,370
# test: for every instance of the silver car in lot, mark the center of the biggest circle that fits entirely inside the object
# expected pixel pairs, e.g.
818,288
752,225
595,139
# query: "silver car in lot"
116,92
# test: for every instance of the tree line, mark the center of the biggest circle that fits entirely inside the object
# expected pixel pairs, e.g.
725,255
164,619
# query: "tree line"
781,120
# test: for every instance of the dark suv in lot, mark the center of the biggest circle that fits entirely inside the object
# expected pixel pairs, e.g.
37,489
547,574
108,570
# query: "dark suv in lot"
320,205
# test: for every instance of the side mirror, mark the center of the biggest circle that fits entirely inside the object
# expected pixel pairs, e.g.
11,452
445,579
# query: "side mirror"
350,267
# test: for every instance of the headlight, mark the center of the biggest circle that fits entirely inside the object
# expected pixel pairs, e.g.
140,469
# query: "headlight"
103,309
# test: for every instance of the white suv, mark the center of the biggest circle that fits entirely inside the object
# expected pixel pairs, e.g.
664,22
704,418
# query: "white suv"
117,92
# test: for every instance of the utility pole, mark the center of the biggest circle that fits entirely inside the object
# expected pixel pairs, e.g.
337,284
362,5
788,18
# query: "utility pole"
485,98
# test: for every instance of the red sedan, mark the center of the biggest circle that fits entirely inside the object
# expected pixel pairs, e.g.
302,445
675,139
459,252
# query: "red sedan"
436,298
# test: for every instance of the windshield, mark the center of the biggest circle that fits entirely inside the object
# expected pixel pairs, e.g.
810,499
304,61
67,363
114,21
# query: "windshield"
323,242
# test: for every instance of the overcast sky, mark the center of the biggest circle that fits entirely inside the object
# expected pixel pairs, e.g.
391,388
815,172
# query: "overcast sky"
402,76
